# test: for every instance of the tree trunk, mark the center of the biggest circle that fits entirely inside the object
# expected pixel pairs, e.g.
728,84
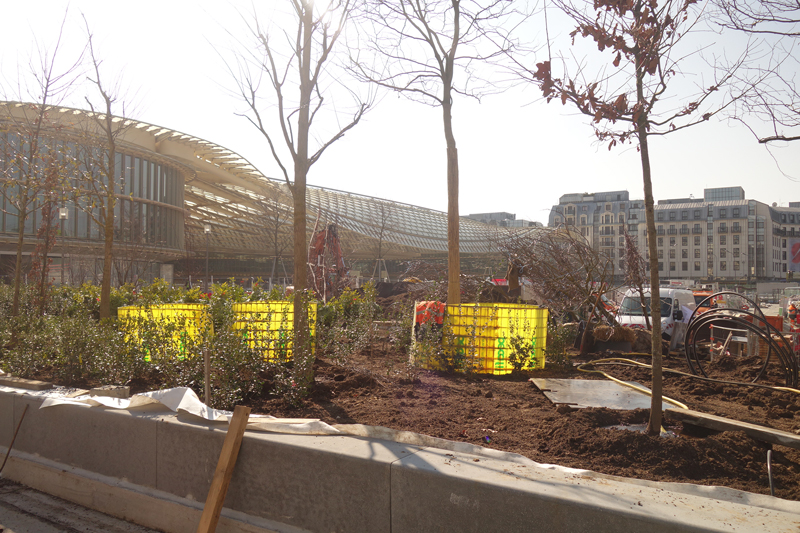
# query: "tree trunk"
108,216
108,229
654,424
302,345
453,259
23,215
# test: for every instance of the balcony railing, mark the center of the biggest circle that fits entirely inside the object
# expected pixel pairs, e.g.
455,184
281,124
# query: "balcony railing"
736,229
722,229
697,231
684,231
672,231
779,231
660,231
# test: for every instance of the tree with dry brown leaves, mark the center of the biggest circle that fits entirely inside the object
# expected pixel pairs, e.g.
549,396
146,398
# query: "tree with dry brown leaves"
631,97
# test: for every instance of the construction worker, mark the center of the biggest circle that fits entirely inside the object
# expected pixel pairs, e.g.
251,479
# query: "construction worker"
792,314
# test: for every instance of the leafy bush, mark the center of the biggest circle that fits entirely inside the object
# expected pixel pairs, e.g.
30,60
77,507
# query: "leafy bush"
523,352
159,292
75,348
346,324
559,338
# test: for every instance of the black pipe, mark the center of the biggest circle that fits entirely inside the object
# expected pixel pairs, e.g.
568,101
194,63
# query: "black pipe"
734,318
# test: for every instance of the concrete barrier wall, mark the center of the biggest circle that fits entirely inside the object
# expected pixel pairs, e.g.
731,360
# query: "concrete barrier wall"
155,468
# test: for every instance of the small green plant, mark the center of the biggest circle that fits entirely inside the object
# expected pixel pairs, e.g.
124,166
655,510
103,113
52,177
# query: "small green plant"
523,345
558,339
464,329
347,323
159,292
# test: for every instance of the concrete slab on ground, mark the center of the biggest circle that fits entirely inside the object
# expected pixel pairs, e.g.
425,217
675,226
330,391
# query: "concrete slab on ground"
582,393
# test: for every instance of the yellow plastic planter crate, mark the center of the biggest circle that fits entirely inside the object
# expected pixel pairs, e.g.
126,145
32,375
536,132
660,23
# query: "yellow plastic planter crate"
481,337
188,320
269,326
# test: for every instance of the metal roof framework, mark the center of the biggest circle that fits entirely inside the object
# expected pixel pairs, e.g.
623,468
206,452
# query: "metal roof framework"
246,209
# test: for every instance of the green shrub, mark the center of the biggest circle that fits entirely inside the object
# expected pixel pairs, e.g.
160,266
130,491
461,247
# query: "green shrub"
346,324
559,338
523,353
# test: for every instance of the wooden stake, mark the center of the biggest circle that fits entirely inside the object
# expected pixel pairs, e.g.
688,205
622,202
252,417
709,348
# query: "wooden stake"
222,476
13,439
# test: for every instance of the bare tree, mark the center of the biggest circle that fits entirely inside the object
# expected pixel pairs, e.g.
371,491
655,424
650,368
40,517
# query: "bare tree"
132,257
276,216
56,164
318,28
631,103
27,150
430,52
384,220
562,267
772,109
101,166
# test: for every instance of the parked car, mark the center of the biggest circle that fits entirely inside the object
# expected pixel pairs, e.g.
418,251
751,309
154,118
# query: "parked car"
676,306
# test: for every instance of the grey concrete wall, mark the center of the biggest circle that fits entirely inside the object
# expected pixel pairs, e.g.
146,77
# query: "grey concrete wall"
97,456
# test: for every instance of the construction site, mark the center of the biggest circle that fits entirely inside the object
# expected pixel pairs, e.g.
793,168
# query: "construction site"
509,393
383,442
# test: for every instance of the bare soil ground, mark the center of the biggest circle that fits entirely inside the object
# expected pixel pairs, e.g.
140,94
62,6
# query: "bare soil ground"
509,413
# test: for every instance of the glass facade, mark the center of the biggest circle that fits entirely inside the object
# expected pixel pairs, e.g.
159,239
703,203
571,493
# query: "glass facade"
149,207
723,193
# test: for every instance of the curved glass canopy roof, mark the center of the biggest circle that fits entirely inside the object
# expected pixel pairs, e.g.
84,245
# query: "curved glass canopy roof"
251,214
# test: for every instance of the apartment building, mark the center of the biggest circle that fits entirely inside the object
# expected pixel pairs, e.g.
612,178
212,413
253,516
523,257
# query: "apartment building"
720,237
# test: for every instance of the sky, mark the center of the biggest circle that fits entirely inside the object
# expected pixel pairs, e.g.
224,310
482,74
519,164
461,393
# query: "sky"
517,154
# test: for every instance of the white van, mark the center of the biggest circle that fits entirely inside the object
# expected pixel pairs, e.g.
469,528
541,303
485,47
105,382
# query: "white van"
677,305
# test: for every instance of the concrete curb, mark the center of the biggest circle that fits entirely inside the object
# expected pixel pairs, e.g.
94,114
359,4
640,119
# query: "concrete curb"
154,468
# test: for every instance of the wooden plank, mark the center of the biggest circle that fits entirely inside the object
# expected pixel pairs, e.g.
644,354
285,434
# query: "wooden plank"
718,423
222,476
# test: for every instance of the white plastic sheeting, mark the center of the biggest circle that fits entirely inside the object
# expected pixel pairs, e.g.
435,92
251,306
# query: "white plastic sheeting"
184,400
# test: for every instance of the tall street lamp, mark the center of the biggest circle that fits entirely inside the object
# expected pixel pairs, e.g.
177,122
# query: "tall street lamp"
207,230
63,214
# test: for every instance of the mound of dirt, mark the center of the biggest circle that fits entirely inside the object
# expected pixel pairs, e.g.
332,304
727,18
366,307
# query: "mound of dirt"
509,413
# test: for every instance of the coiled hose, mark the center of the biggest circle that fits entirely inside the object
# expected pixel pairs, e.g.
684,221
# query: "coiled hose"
739,319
